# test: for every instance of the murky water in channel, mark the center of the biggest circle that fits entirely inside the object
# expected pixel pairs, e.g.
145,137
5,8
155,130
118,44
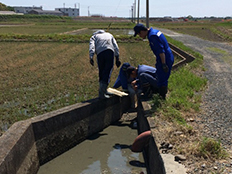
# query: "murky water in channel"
104,153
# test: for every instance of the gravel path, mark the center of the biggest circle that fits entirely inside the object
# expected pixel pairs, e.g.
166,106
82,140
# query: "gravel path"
216,109
217,101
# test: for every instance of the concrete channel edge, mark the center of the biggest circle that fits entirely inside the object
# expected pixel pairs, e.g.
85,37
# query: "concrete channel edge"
33,142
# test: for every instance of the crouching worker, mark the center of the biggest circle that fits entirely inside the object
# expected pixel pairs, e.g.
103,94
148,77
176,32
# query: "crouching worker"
105,46
145,79
125,83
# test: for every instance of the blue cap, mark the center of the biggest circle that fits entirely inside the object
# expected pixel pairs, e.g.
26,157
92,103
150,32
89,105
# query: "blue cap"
138,28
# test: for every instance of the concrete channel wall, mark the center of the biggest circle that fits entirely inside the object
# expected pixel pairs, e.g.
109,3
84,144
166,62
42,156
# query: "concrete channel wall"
153,160
186,58
33,142
28,144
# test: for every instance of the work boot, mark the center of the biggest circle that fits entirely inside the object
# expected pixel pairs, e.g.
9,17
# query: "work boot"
163,91
103,91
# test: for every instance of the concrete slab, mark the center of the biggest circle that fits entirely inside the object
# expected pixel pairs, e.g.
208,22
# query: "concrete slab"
171,166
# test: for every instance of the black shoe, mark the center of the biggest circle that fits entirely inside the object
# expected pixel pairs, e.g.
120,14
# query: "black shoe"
163,91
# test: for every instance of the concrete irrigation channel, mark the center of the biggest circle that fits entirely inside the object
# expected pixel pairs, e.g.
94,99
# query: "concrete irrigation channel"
31,143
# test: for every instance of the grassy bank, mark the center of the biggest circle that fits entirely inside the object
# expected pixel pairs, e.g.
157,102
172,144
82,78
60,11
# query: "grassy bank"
174,117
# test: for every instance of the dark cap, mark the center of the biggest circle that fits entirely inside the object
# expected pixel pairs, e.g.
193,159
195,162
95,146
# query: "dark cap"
138,28
129,70
125,66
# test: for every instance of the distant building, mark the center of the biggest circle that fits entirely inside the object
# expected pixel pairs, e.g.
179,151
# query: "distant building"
164,19
71,12
46,12
25,10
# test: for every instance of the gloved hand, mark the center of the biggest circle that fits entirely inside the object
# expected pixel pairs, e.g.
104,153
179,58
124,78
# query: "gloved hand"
165,68
91,61
134,85
118,63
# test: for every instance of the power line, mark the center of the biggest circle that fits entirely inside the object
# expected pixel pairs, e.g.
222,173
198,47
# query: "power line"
117,8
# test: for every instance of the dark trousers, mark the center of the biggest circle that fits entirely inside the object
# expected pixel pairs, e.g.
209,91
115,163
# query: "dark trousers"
148,84
146,78
105,61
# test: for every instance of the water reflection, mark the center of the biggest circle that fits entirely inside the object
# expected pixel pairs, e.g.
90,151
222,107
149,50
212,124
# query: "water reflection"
108,152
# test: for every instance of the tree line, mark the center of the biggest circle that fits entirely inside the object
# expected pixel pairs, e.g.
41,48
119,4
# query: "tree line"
3,7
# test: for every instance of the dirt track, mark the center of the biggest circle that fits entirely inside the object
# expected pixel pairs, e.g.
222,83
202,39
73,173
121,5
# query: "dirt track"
215,118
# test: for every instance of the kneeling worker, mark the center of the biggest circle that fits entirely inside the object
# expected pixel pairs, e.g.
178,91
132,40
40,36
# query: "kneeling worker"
145,79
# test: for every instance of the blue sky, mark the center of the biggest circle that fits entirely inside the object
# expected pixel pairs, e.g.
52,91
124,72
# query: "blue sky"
122,8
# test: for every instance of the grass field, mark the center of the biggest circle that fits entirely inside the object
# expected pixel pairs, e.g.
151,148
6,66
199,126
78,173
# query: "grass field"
206,29
209,30
40,77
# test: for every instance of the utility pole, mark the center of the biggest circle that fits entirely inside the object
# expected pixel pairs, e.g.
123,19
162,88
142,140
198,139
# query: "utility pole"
64,8
134,10
147,17
78,12
132,14
138,13
79,6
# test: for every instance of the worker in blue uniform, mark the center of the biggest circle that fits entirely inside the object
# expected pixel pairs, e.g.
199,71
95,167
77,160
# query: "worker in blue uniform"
122,78
163,53
145,79
125,82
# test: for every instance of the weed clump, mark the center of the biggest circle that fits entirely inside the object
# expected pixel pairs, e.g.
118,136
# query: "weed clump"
210,148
